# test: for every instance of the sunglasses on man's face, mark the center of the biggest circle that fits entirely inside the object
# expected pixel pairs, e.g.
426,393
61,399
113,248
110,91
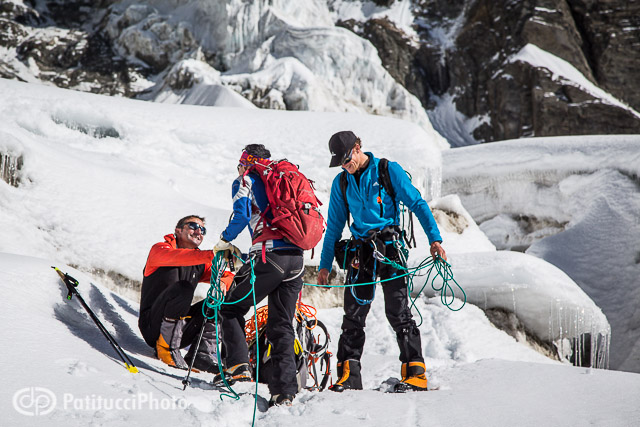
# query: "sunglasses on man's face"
196,226
348,159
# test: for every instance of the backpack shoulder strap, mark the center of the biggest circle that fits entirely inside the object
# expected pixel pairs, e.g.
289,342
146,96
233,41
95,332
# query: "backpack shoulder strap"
344,183
384,179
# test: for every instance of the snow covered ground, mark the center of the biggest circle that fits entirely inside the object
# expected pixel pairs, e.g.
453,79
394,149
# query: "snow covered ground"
105,178
64,373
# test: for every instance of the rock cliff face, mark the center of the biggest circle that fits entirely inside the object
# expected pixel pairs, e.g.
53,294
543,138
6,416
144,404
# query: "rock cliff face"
62,43
470,63
465,54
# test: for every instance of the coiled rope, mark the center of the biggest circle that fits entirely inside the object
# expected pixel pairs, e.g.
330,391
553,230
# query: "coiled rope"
435,267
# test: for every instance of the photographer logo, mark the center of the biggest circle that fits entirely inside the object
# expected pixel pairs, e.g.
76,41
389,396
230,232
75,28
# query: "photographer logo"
34,401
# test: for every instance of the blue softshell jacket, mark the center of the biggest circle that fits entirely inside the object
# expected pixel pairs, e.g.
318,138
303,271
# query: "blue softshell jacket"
365,210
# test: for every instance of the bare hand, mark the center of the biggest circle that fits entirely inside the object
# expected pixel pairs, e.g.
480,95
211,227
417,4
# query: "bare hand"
226,281
323,277
437,249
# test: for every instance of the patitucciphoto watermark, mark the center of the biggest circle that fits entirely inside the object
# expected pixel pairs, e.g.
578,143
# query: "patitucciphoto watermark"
39,401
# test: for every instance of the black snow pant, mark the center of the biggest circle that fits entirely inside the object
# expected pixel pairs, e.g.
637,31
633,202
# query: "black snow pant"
396,302
174,303
280,278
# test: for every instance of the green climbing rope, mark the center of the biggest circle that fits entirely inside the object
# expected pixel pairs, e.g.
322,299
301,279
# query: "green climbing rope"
214,300
442,269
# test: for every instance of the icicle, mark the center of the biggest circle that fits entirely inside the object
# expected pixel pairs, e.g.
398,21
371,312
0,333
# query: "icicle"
577,336
552,318
433,185
578,341
9,167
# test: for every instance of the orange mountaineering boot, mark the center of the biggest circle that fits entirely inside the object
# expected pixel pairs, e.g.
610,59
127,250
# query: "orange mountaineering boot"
350,379
413,378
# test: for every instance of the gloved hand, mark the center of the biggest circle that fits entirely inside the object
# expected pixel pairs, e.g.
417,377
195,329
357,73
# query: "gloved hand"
222,245
232,254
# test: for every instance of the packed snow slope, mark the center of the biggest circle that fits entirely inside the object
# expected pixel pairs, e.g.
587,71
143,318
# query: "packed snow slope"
572,201
64,373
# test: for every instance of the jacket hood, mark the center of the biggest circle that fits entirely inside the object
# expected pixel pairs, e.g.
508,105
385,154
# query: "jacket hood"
171,239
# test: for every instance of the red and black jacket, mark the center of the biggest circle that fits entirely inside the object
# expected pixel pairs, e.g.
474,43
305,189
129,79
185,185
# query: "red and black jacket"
188,265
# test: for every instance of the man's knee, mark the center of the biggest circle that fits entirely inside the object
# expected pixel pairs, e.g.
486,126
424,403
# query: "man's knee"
351,321
177,300
399,317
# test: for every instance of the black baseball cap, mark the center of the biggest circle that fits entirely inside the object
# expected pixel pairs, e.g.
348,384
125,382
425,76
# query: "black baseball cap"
340,145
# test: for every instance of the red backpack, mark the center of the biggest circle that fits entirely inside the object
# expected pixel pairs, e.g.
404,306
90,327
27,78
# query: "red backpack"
293,205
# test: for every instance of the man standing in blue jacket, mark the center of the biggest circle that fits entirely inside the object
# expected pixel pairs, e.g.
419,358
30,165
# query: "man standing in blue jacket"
375,233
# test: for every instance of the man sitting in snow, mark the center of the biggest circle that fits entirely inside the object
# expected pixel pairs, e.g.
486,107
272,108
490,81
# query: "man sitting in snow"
278,275
168,321
375,232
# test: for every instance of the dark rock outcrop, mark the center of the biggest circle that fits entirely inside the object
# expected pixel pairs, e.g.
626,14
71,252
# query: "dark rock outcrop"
465,52
610,31
63,41
402,59
508,322
528,101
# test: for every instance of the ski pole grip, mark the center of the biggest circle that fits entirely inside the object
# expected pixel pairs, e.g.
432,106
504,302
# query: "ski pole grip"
69,281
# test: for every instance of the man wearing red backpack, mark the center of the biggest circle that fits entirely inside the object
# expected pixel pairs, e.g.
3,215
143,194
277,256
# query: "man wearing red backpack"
370,189
278,268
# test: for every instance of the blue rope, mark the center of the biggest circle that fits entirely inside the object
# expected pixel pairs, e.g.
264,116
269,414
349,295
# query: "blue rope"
362,301
252,280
